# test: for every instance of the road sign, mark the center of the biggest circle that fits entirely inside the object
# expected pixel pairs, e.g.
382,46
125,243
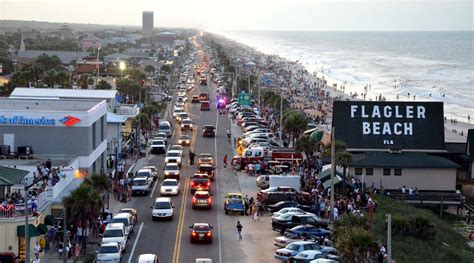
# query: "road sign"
244,98
240,150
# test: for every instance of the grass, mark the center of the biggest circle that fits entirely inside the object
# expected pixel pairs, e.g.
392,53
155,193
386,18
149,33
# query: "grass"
447,246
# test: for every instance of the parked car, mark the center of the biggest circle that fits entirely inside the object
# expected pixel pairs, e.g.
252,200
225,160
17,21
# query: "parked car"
108,252
234,202
127,221
293,210
283,204
131,211
287,221
141,185
274,195
294,248
287,238
309,229
115,232
307,256
201,232
169,187
162,209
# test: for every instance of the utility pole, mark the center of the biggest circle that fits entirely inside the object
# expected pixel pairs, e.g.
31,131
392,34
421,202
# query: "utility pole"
65,243
389,238
98,68
333,171
139,126
27,227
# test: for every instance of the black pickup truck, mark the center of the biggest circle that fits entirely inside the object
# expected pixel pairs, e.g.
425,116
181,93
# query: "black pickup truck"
296,220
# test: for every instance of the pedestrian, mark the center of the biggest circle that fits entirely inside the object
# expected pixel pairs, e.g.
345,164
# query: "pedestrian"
60,249
254,213
191,157
239,230
246,204
225,161
37,250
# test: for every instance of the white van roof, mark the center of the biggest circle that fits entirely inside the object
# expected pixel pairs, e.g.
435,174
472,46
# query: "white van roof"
163,199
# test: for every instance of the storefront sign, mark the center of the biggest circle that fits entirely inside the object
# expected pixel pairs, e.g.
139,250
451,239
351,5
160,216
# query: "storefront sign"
22,120
389,125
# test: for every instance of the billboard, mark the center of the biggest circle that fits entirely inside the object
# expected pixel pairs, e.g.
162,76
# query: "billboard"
389,125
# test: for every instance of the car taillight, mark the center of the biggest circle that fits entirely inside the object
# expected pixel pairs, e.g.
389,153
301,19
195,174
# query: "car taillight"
194,199
192,183
209,200
208,183
193,233
209,233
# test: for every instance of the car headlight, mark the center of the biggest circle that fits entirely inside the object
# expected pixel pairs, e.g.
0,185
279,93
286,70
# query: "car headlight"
167,173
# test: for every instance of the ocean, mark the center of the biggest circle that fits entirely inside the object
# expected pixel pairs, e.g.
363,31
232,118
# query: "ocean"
432,66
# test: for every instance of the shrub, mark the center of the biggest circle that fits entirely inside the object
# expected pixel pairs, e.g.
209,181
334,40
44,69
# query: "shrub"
416,227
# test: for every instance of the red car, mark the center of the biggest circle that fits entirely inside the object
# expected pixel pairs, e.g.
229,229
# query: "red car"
201,232
200,182
205,105
202,199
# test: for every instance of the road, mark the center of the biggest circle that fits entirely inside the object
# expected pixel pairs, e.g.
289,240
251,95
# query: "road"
170,239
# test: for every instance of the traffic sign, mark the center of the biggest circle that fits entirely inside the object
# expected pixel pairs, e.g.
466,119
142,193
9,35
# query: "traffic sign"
244,98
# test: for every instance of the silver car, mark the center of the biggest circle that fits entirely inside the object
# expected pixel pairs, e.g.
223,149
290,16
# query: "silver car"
109,252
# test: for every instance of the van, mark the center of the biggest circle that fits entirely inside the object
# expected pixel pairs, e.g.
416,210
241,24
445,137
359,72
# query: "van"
205,106
127,221
115,232
165,126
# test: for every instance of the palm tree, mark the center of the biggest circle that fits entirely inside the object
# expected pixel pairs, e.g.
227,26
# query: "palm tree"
343,157
50,77
62,78
84,81
150,69
306,144
99,183
294,122
83,206
103,85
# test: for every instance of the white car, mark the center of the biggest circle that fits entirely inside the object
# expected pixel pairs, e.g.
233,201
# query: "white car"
148,258
177,110
184,140
158,146
187,124
182,93
182,99
109,252
115,232
126,219
171,170
169,187
182,116
290,210
296,247
179,104
173,156
162,208
154,171
177,147
163,136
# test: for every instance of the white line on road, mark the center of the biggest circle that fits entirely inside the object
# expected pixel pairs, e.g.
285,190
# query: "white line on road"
217,188
154,187
135,243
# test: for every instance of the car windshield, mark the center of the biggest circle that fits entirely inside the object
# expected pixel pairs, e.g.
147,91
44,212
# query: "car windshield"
162,205
158,142
200,180
108,249
184,137
172,167
170,183
139,182
235,201
205,168
172,154
201,228
120,220
143,174
187,122
164,127
293,247
113,233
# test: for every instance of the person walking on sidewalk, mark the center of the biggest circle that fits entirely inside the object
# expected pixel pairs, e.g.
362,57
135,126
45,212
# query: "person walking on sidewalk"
239,230
225,161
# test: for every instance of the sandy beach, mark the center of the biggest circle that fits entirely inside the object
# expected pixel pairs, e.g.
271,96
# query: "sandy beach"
314,92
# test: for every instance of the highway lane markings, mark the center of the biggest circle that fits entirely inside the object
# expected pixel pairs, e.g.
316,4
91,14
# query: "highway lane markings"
154,187
135,243
182,211
217,189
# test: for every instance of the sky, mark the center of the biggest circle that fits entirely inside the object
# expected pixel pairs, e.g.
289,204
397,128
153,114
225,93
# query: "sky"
286,15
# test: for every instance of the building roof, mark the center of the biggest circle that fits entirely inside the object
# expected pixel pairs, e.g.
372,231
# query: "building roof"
114,118
11,176
456,147
401,160
64,93
65,56
50,105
